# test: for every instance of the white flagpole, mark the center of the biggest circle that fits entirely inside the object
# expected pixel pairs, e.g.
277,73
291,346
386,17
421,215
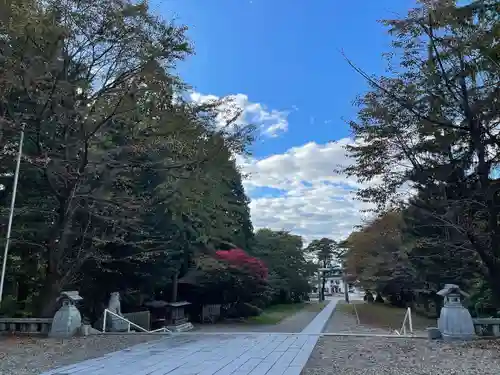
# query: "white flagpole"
11,215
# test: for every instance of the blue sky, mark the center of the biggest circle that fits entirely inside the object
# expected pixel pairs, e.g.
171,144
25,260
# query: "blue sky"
284,58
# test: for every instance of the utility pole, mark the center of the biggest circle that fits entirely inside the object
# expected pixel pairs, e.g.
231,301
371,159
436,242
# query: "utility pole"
11,214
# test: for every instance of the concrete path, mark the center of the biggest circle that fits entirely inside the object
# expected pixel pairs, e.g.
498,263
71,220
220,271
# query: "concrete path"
199,354
291,324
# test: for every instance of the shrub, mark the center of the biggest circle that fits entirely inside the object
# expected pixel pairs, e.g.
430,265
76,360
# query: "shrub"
240,259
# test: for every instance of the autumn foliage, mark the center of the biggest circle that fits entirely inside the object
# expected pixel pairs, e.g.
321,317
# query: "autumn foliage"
238,258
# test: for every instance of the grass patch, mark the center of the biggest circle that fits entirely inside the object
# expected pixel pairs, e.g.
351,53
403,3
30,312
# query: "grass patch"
276,313
384,316
316,306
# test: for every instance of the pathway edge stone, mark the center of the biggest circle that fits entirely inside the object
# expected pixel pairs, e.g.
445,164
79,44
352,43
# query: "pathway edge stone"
315,328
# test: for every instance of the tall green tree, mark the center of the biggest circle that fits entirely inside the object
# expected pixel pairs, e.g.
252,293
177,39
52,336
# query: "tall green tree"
327,252
289,271
432,125
118,171
325,249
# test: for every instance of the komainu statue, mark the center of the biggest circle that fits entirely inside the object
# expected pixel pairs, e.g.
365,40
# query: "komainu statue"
113,322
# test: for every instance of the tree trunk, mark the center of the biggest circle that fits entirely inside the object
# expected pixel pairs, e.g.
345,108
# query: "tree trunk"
47,299
323,284
175,286
22,293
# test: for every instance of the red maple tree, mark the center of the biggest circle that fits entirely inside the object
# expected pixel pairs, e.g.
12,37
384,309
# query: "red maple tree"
240,259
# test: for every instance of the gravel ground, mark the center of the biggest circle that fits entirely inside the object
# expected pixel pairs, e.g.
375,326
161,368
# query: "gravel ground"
335,355
28,355
392,356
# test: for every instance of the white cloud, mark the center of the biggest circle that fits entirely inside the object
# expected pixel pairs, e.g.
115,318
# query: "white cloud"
314,200
269,122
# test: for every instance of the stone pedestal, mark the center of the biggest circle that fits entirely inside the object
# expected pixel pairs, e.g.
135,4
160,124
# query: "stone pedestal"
434,333
455,321
67,320
113,322
178,319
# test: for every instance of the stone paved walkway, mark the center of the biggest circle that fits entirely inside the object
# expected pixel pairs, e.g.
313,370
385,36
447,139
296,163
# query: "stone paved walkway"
292,324
198,354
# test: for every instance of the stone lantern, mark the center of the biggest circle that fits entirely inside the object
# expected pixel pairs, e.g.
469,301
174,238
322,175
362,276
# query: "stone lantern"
67,320
455,321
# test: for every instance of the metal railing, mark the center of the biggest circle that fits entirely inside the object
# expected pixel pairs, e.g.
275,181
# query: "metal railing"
357,316
407,321
130,324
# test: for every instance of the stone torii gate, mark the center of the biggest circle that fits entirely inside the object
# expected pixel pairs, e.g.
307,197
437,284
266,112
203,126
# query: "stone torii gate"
321,272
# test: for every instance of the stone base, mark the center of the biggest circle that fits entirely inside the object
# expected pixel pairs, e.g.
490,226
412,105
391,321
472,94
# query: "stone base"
180,327
433,333
449,338
86,330
116,324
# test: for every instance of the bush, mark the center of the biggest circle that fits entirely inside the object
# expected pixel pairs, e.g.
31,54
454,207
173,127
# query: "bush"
241,260
246,310
9,307
368,297
243,310
396,300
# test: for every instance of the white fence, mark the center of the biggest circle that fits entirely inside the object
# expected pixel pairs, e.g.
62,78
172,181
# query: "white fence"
407,321
130,324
